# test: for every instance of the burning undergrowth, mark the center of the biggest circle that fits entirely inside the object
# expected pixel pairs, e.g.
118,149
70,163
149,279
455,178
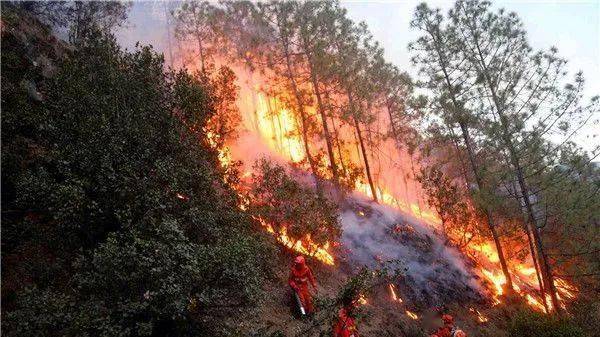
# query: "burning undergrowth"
433,273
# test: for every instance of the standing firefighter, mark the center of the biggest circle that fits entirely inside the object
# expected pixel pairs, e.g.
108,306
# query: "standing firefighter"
300,277
449,329
345,325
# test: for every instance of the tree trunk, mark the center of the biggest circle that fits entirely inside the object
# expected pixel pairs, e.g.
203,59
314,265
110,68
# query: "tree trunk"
545,269
201,52
362,148
474,166
488,213
321,109
366,160
515,162
336,135
302,113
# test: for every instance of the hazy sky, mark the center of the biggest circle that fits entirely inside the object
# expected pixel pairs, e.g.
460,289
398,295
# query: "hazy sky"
573,26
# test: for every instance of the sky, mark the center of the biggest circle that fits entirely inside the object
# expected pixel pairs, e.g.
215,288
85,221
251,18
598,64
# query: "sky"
573,26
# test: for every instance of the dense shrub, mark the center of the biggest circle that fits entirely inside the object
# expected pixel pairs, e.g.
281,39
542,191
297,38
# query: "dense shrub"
285,203
116,220
534,324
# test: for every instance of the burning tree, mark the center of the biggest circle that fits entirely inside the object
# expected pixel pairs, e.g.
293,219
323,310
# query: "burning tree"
292,209
450,203
503,100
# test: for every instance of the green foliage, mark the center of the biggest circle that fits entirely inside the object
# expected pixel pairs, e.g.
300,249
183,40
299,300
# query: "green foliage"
414,331
448,201
117,220
283,202
534,324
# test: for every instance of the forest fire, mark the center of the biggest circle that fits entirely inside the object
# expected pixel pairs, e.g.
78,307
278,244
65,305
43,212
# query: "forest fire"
305,246
280,131
524,281
278,128
211,146
385,197
387,174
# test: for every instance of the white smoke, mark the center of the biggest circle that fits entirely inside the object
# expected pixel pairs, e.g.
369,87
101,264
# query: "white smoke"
434,273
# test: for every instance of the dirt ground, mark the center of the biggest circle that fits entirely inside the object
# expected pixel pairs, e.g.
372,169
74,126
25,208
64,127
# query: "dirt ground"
379,317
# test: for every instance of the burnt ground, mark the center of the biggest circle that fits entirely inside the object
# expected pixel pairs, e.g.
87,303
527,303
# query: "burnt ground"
432,276
380,317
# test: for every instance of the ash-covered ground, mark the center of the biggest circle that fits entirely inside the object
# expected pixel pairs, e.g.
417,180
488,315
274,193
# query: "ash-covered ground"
433,274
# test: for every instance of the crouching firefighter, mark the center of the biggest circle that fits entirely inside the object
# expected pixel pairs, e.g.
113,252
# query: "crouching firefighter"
346,325
300,277
449,329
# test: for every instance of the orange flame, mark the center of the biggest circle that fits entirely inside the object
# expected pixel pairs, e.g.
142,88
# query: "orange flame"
395,297
480,317
278,128
524,281
305,248
412,315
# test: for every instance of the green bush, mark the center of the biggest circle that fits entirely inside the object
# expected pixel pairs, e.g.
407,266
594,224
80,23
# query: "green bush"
283,202
535,324
117,220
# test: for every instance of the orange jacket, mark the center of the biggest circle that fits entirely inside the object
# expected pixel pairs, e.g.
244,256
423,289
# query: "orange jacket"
300,277
443,332
345,326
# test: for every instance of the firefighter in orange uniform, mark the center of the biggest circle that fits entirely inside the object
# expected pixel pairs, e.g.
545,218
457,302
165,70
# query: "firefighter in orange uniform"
346,326
449,329
300,277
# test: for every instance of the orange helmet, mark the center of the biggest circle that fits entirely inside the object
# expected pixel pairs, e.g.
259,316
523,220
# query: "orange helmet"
460,333
447,319
299,260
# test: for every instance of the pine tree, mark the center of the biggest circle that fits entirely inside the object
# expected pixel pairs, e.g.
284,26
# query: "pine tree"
521,96
436,54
